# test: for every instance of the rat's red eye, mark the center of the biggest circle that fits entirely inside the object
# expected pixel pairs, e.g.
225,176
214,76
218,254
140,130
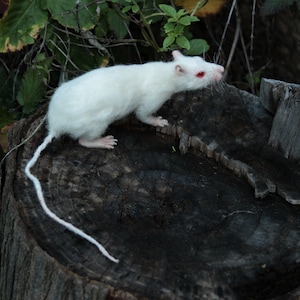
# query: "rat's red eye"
200,74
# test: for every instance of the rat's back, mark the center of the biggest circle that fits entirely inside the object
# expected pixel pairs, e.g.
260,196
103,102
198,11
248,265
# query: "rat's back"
92,101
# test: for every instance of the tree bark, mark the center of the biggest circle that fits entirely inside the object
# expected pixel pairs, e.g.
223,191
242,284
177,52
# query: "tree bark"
183,226
27,271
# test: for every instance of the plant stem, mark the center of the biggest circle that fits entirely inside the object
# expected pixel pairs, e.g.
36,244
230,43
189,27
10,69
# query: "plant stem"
147,34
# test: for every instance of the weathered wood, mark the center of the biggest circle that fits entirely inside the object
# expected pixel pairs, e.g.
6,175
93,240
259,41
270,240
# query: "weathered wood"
233,127
114,201
183,226
1,153
283,99
27,271
271,92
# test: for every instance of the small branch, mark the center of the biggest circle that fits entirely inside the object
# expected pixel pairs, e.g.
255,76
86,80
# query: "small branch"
94,42
252,30
5,65
225,29
64,54
234,43
247,61
199,5
148,34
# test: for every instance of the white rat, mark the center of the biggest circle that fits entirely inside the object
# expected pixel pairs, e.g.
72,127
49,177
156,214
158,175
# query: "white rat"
85,106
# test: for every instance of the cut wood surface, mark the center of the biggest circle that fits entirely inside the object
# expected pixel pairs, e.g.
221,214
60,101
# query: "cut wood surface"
233,127
184,226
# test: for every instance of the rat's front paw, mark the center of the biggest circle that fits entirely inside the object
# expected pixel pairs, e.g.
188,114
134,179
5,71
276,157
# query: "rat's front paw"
160,122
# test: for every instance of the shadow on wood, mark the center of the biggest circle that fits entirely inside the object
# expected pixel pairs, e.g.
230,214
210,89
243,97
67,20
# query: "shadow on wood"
183,226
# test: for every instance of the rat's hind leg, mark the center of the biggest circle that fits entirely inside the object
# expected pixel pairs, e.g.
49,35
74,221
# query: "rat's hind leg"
107,142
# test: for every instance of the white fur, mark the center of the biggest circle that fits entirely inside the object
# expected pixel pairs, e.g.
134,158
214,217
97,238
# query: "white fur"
52,215
84,107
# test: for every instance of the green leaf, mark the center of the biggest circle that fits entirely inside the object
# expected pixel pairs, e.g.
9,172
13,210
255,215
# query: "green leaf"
40,57
117,24
194,18
273,6
198,46
135,8
180,13
169,27
31,91
72,13
169,40
168,10
183,42
254,78
172,20
43,64
21,24
185,21
178,30
126,9
101,28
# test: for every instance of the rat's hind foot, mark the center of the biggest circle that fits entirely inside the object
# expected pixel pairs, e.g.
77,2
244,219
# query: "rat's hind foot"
107,142
158,122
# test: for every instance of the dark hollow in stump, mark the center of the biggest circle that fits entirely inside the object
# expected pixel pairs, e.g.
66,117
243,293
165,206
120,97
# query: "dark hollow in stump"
183,226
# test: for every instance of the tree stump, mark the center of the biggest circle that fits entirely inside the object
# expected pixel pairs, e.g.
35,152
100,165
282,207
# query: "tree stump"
184,226
283,100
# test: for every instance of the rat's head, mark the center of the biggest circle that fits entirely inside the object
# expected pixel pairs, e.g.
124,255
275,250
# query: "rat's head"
194,72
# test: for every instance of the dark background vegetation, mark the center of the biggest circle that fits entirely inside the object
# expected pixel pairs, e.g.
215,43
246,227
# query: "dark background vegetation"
250,45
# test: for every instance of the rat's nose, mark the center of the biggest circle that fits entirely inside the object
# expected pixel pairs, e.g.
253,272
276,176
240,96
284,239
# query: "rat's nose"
219,73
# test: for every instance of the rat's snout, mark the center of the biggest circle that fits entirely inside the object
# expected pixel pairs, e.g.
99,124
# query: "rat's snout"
219,73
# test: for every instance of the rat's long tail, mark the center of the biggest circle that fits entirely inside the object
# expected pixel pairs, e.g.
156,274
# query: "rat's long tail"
53,216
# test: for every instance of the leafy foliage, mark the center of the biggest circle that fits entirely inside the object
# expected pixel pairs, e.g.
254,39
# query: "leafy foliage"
71,51
69,37
21,24
31,91
196,46
79,15
176,26
116,24
177,35
33,84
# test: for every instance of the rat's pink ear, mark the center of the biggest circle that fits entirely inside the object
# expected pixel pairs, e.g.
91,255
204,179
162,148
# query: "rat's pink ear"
176,54
179,70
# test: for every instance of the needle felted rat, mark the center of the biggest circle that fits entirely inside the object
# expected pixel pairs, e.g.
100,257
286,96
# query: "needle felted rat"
84,107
